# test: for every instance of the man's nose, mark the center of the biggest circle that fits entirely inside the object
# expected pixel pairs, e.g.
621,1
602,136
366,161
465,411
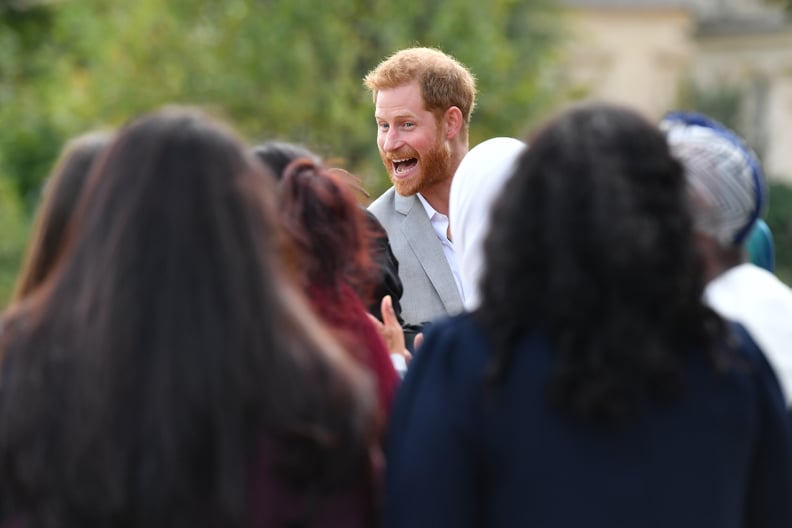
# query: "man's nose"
391,140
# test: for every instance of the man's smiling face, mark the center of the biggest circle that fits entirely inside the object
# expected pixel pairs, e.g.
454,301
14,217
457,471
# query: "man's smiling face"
410,139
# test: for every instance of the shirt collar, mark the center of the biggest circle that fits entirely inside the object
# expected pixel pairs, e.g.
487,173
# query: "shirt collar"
430,211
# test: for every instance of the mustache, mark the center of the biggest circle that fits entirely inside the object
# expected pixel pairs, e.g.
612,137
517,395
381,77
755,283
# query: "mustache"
400,155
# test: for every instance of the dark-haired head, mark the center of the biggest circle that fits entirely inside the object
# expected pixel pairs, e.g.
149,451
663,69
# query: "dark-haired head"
278,154
61,193
136,388
372,277
591,246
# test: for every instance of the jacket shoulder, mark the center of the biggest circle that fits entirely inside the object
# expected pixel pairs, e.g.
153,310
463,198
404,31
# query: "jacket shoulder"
385,203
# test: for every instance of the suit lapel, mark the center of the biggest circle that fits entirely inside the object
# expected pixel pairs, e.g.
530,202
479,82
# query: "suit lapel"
423,240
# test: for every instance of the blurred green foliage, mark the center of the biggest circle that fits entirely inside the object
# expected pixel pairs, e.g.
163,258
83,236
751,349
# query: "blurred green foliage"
289,69
779,219
285,69
13,235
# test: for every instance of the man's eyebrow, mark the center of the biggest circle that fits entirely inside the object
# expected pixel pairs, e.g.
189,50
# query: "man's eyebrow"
404,115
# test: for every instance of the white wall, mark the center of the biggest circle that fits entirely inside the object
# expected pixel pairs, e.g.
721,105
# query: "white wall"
641,57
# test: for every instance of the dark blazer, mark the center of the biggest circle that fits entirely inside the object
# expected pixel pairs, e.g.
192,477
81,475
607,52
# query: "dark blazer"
388,282
463,455
430,291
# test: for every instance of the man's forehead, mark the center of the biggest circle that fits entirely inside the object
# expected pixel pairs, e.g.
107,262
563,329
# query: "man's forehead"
394,113
407,95
403,101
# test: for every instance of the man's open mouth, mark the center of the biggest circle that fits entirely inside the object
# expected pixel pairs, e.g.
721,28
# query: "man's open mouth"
401,166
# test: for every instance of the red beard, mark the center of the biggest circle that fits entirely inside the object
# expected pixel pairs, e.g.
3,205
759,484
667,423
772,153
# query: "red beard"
433,167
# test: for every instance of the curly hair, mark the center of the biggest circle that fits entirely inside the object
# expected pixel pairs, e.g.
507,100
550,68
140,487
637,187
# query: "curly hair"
591,246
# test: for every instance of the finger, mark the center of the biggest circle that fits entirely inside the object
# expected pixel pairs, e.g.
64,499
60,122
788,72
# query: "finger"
418,341
388,313
376,322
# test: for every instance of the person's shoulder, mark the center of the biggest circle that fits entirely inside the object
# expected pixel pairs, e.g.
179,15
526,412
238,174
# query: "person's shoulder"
464,323
742,341
391,208
461,338
383,203
751,295
751,278
749,353
450,364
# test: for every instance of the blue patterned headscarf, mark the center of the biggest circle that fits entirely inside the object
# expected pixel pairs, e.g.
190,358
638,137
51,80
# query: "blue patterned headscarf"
724,176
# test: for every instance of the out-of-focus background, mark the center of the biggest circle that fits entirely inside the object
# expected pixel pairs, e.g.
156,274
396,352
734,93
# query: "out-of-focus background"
292,69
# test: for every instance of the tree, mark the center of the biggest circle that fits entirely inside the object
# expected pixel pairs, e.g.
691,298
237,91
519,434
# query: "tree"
276,68
285,69
27,139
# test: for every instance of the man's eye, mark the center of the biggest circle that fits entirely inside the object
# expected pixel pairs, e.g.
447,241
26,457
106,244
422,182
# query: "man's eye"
383,126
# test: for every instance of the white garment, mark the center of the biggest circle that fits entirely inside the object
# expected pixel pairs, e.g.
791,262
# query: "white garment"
439,223
759,301
476,184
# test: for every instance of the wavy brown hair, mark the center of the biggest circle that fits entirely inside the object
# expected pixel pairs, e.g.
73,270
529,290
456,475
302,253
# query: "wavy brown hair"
591,246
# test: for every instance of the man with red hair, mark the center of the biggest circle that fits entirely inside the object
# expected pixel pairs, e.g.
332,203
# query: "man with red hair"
423,102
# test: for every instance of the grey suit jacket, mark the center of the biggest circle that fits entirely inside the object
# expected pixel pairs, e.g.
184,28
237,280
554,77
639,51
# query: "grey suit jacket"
430,291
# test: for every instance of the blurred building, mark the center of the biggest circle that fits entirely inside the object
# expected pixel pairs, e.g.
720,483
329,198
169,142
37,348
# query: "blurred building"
727,57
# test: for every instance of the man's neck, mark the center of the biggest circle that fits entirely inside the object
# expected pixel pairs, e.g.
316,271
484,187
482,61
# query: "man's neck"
437,196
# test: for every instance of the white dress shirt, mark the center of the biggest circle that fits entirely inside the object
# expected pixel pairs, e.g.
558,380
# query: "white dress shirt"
439,223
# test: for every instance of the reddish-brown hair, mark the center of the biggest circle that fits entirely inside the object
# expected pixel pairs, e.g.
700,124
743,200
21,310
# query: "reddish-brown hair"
327,227
444,81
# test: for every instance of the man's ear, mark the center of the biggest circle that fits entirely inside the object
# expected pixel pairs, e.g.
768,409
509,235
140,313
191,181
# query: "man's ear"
453,122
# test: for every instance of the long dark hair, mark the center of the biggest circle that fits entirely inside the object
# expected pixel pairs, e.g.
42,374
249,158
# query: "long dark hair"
277,155
136,387
61,193
591,246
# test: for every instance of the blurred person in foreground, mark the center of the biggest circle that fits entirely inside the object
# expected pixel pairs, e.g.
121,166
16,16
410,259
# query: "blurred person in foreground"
62,190
381,266
167,375
327,230
728,195
423,101
592,387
